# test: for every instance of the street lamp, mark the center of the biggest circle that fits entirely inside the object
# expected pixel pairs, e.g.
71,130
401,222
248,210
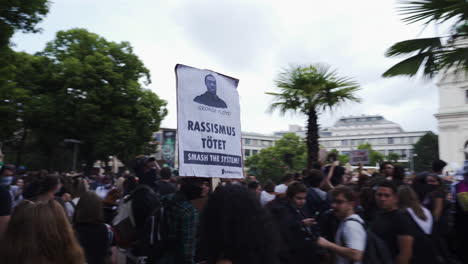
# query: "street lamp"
75,143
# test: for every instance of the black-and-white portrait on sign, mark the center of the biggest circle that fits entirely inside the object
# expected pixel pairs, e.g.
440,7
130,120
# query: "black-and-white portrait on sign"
210,98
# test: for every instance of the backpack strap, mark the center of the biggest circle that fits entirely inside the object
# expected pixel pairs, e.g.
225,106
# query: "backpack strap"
354,220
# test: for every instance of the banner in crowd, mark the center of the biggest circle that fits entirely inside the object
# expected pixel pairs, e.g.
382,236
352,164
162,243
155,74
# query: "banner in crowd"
168,147
208,123
359,156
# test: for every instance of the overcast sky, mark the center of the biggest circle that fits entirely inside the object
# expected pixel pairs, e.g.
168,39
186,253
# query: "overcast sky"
252,41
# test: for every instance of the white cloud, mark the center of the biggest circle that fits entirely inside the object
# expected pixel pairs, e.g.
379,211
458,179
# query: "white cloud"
252,40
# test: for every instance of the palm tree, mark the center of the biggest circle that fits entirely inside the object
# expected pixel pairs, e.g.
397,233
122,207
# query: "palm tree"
432,55
310,90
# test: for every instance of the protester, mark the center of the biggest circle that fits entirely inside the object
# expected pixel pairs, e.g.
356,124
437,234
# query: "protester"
350,239
39,232
106,187
129,184
237,229
317,200
392,226
93,234
334,172
42,187
425,249
435,197
298,235
255,188
285,181
165,186
16,190
460,194
78,187
387,170
183,228
438,167
268,194
398,176
6,201
110,205
146,170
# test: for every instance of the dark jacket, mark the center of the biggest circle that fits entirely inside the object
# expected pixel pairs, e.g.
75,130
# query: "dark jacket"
298,242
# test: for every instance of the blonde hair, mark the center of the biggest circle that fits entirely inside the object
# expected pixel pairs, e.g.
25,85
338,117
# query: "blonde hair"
408,198
40,233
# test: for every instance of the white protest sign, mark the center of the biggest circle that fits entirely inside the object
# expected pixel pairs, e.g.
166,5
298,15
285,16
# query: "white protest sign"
359,156
208,123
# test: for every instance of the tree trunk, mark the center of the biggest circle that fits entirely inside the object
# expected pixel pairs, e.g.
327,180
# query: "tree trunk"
312,137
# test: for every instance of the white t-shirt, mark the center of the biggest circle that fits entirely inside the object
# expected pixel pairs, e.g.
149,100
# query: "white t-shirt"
350,234
266,197
281,188
70,208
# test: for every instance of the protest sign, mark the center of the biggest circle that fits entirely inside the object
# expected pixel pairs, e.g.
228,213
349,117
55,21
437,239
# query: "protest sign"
359,156
208,123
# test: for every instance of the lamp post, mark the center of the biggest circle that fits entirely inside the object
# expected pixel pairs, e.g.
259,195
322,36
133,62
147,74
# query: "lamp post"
75,143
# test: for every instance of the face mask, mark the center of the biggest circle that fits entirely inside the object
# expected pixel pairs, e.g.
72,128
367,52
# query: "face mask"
6,180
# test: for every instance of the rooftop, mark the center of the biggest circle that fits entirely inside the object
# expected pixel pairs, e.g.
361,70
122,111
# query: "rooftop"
362,121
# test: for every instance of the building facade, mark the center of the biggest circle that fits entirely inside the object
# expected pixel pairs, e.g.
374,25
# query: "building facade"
452,117
349,132
252,143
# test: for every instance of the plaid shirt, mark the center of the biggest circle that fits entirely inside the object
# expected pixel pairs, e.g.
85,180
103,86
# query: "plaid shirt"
183,227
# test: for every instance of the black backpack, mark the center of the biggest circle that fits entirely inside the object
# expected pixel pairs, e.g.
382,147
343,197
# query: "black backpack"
153,239
376,250
315,205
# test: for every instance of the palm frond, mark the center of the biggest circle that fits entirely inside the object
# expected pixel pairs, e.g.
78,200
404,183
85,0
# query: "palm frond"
457,58
411,46
433,10
311,87
407,67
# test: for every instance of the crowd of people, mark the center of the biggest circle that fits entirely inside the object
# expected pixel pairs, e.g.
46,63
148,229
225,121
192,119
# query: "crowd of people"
325,214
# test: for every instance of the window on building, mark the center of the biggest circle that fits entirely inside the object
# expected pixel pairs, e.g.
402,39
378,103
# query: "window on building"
247,141
254,152
390,141
345,142
247,152
404,153
466,96
265,143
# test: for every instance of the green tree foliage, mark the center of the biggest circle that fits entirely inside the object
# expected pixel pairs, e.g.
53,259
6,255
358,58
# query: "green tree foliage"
272,162
86,88
311,90
393,157
431,55
20,15
426,150
374,156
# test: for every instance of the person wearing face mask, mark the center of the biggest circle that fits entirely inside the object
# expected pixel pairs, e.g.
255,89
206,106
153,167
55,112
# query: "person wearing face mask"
6,202
146,170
